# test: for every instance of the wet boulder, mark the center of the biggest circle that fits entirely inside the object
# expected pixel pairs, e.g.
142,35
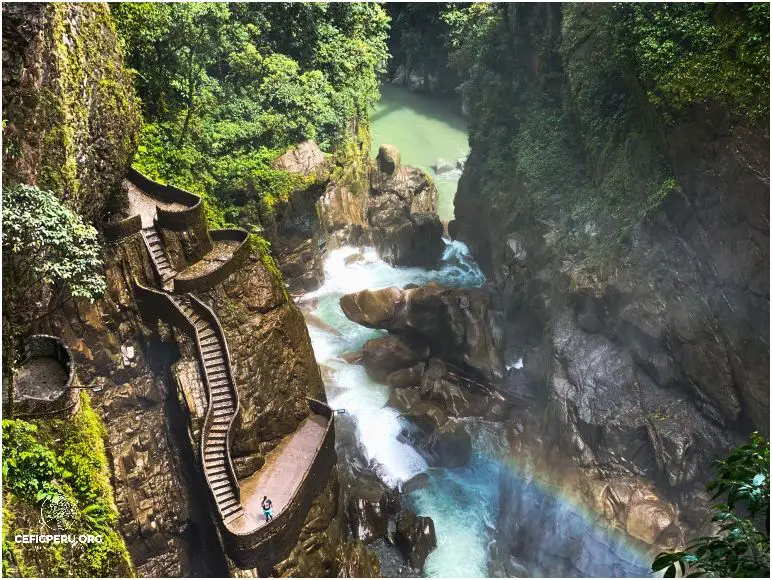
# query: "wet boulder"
369,507
409,377
441,441
457,324
388,159
373,308
382,356
415,537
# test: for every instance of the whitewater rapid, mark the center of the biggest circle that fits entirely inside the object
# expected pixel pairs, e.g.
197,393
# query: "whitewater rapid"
464,501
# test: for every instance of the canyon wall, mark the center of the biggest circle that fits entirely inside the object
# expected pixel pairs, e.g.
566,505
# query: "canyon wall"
628,245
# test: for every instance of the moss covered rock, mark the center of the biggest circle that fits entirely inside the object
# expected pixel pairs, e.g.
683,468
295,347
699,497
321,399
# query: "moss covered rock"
71,118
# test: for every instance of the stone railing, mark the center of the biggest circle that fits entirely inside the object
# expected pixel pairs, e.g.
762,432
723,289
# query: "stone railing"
273,541
207,313
118,230
170,219
214,277
160,306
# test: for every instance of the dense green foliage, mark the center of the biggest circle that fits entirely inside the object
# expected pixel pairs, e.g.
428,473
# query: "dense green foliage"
227,87
700,52
48,252
420,43
570,106
60,462
741,547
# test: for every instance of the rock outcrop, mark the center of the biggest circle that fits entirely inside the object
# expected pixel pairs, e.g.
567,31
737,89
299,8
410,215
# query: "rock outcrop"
456,325
652,355
396,213
71,119
415,538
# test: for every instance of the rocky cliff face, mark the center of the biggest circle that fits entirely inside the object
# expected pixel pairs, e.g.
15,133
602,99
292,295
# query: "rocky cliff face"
70,117
652,360
395,211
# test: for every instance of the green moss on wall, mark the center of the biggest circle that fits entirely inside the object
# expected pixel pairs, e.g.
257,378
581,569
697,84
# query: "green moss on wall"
73,117
62,460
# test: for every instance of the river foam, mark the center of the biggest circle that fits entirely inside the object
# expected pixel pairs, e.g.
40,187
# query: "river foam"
463,502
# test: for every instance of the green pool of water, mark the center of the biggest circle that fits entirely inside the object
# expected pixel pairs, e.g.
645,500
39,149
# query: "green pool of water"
424,129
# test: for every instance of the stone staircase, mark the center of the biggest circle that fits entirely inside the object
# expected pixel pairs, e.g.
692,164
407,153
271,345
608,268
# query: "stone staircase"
222,408
155,248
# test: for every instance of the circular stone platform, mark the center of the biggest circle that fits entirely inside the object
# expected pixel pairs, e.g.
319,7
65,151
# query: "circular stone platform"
42,386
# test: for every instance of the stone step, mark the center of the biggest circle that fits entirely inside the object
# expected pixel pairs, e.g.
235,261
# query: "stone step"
228,500
229,503
218,485
215,376
232,514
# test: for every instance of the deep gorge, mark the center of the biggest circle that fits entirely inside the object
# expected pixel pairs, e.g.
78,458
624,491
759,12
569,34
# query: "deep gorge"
521,267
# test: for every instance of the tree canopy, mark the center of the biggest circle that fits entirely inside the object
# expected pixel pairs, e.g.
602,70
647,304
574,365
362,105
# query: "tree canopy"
226,87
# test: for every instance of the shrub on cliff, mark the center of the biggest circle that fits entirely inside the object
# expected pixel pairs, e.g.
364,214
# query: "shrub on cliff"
49,257
741,547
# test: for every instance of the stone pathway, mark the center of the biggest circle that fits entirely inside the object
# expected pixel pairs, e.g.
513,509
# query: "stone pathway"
144,205
281,475
221,252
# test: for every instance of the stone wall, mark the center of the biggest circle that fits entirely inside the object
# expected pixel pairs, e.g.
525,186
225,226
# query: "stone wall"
215,277
272,542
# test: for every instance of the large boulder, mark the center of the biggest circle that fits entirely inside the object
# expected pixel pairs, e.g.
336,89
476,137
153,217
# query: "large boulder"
382,356
388,159
415,537
370,506
373,308
456,323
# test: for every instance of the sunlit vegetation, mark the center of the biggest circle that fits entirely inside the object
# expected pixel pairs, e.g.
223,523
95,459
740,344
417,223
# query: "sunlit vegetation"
61,461
226,88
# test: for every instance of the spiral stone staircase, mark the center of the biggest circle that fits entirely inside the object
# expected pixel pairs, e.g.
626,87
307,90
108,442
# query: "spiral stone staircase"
222,408
295,473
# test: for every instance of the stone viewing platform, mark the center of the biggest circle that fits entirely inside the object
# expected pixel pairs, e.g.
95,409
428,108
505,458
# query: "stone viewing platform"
281,475
43,386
